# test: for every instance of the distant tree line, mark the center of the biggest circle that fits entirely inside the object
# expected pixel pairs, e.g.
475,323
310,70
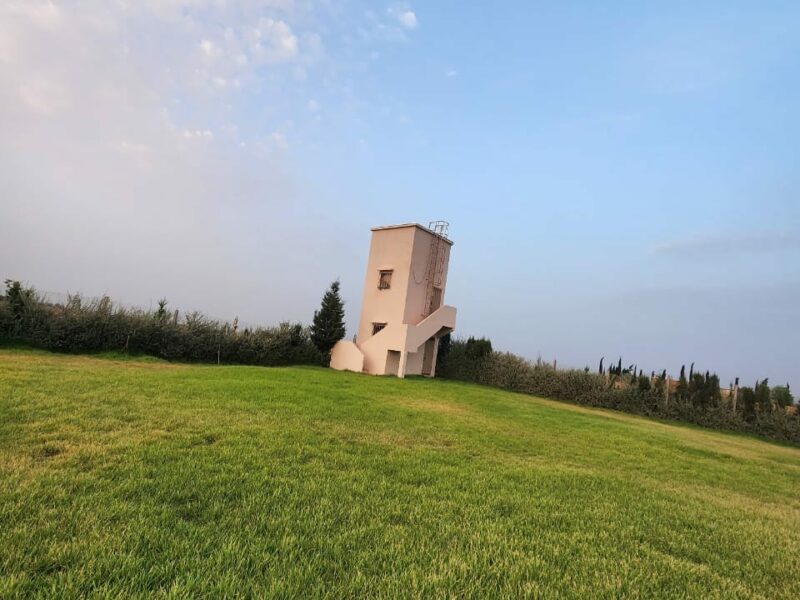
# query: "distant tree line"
696,398
97,325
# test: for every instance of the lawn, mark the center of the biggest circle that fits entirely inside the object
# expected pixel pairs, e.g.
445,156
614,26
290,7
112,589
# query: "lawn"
137,477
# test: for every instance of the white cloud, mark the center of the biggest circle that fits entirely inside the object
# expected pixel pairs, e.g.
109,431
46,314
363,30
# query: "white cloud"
237,54
198,134
731,243
145,144
279,140
403,15
271,41
112,162
42,96
131,147
41,14
450,73
407,19
210,49
394,26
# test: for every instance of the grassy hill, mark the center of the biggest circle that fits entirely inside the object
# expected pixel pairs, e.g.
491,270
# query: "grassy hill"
127,477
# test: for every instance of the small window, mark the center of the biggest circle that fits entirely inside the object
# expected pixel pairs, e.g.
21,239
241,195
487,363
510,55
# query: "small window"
376,327
385,281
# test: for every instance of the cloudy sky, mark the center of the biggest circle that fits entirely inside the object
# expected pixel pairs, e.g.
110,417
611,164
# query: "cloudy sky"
621,178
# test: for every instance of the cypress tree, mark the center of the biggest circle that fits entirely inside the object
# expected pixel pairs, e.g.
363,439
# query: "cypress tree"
682,390
748,403
762,394
600,370
713,391
328,326
698,391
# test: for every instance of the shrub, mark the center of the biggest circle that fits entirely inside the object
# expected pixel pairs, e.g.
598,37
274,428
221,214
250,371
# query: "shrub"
697,403
97,325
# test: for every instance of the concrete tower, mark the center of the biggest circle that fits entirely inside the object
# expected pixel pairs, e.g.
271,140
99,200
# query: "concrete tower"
402,311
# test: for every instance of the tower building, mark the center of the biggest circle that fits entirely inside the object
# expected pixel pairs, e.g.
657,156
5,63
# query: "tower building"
403,315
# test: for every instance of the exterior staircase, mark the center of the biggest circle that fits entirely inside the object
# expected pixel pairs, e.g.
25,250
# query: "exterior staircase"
396,337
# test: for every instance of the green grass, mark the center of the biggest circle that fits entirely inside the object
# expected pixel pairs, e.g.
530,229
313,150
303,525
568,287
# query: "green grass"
130,478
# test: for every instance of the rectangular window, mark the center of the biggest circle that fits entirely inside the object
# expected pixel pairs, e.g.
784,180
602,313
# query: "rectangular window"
385,280
376,327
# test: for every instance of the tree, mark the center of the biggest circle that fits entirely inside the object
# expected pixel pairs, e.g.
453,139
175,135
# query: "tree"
714,394
161,312
444,349
781,395
682,390
748,403
19,298
698,392
600,370
478,348
328,325
762,395
660,386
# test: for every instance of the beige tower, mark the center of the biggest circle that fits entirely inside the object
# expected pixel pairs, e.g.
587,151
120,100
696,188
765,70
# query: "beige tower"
402,311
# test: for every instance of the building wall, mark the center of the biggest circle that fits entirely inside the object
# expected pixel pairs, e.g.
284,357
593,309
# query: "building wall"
417,289
414,363
405,251
389,249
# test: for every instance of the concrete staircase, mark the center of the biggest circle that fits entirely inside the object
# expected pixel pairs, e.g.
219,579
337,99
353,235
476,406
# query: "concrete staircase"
398,337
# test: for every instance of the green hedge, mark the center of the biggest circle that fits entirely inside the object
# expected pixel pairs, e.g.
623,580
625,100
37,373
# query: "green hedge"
509,372
98,325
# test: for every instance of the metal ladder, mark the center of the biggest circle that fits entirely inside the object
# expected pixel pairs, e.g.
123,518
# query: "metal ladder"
434,274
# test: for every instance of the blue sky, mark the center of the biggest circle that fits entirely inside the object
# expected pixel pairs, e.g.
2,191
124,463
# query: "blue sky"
621,178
